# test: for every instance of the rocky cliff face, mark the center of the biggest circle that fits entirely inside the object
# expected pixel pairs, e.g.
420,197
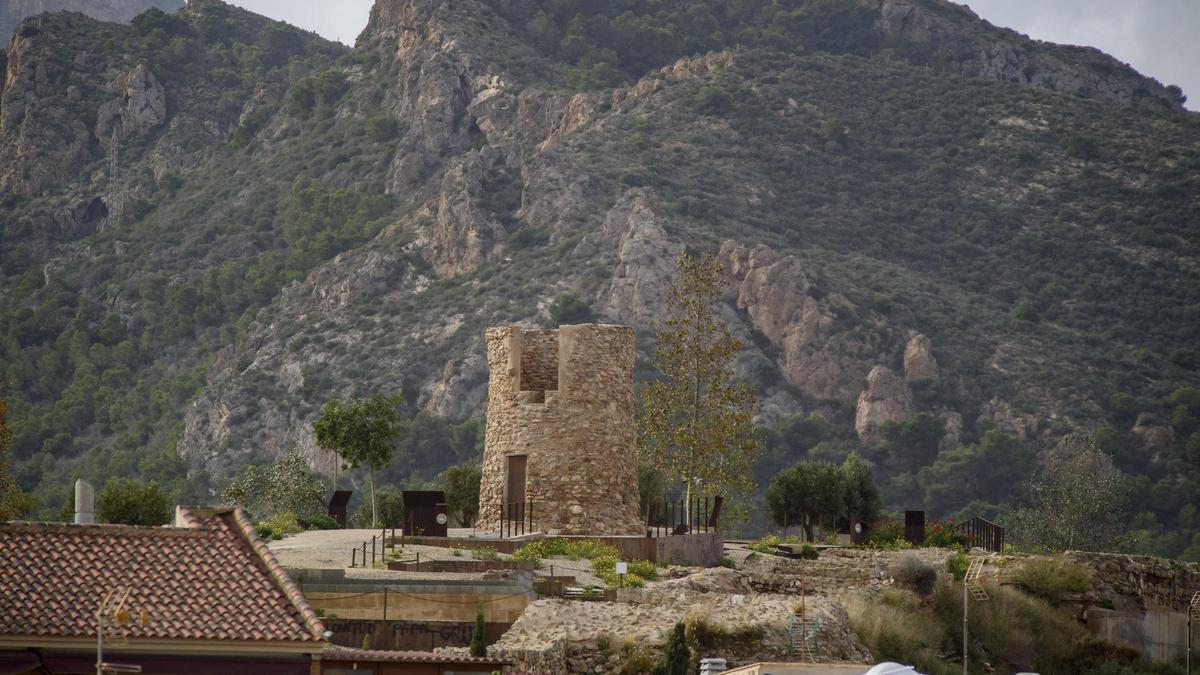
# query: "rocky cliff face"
855,233
952,33
12,12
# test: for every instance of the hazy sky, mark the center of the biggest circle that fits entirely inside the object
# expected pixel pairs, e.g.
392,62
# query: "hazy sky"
1158,37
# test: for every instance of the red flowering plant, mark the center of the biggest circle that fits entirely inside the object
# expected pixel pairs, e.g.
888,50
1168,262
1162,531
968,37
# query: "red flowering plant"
886,533
945,534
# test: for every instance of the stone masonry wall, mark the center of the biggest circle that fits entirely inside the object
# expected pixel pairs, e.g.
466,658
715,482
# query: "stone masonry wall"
564,399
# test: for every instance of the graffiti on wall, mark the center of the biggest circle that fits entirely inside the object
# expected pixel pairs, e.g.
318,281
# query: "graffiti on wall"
418,635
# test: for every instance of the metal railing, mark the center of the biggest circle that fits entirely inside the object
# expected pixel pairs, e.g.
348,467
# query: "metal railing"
379,545
683,516
983,533
516,519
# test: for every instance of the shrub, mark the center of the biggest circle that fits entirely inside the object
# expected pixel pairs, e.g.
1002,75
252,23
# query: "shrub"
915,574
568,309
478,646
709,635
678,657
809,552
1083,146
132,502
1026,311
941,534
485,553
1053,578
279,526
319,521
887,533
603,557
957,565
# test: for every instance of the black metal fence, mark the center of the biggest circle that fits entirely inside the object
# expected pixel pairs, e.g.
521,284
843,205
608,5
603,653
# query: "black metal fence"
683,516
983,533
516,519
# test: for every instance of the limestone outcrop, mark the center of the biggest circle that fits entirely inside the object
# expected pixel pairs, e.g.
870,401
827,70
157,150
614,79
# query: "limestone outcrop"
887,398
1155,433
140,105
646,259
919,363
785,303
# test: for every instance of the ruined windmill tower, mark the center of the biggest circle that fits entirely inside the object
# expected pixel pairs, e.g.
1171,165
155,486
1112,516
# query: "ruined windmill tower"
560,430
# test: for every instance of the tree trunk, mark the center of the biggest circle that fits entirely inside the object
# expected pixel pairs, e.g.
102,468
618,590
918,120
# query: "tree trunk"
374,512
808,530
337,461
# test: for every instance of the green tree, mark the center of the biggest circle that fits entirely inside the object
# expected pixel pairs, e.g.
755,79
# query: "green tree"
1026,311
461,484
989,470
131,502
652,486
478,646
696,423
1079,501
361,431
860,496
568,309
287,486
807,494
391,507
13,502
678,658
914,441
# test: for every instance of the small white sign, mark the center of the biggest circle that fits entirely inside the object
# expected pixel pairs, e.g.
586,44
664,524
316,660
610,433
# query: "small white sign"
622,567
441,519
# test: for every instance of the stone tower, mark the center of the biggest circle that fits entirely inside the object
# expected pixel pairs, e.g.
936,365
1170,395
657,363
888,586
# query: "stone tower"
560,429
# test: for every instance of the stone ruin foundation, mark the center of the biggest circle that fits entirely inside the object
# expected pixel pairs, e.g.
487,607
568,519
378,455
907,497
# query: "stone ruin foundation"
560,430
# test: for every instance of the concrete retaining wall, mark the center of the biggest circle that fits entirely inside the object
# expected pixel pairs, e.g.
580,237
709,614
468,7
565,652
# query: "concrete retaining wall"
419,600
1159,634
418,635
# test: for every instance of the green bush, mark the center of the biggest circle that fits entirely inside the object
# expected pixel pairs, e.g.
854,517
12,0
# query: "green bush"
280,526
485,553
915,574
809,552
319,521
1052,578
708,634
887,533
941,534
603,557
957,565
132,502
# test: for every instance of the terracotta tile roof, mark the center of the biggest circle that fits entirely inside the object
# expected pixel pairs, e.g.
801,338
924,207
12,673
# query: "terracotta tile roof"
374,655
211,580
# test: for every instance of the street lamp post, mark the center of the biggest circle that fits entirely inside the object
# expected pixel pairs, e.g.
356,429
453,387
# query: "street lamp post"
1193,614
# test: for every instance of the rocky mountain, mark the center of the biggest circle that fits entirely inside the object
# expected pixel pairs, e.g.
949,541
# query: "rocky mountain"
12,12
932,229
